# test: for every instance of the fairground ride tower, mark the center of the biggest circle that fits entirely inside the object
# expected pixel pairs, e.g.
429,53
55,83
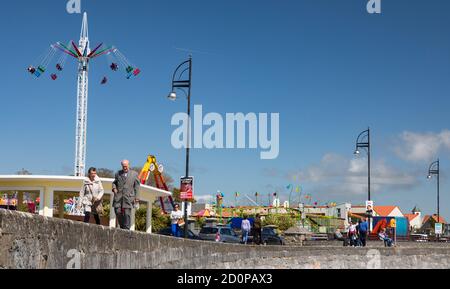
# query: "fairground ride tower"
82,99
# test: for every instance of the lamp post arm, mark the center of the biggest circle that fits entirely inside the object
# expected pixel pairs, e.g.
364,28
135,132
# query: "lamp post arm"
360,135
178,68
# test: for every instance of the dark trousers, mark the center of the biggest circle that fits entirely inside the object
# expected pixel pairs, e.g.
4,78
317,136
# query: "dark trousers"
257,238
87,218
124,218
388,242
362,238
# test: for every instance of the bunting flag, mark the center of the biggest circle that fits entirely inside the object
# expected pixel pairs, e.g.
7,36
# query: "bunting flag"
297,189
237,194
289,187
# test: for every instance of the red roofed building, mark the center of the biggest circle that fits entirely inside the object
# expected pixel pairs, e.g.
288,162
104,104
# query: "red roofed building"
381,211
415,222
435,219
429,222
388,211
415,219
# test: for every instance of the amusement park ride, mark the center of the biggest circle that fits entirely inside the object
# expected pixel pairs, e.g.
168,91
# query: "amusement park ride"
84,55
152,167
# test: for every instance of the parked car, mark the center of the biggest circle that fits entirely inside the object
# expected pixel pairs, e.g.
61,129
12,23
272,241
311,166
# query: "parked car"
270,236
168,232
219,234
421,238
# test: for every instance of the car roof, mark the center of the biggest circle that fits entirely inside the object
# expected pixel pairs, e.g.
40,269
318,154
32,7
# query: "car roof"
217,226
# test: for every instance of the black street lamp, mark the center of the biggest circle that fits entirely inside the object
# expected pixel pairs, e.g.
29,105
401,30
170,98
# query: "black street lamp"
363,142
183,83
435,171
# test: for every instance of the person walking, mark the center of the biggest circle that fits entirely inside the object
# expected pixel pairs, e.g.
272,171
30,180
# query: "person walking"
176,217
245,228
125,189
91,196
257,229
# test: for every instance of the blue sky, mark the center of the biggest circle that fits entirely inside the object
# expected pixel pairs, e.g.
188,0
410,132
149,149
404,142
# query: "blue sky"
328,67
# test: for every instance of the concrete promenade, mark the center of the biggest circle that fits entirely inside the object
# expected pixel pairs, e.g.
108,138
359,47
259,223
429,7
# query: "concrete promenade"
33,241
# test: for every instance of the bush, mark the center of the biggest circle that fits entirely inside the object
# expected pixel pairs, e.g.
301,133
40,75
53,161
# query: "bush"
283,222
200,222
159,221
141,220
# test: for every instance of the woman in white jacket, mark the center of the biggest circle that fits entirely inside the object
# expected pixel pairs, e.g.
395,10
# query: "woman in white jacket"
91,196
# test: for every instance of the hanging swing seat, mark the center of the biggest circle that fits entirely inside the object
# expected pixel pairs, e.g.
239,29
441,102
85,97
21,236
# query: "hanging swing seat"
134,73
114,67
31,69
129,69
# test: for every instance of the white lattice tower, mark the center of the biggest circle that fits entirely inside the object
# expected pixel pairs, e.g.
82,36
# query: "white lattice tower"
82,100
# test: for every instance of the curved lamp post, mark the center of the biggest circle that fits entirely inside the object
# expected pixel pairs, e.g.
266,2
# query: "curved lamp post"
363,142
435,171
184,83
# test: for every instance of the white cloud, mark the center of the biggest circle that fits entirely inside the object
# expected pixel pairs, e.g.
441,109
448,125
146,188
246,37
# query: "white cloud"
422,146
205,199
338,176
357,166
329,167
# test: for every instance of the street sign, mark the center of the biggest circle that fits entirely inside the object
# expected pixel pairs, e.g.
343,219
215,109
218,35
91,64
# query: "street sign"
369,205
438,230
187,188
369,209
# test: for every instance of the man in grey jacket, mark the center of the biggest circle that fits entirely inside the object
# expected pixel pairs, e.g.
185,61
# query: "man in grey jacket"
125,188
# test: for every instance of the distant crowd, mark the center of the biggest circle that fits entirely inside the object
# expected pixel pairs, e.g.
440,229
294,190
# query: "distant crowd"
358,233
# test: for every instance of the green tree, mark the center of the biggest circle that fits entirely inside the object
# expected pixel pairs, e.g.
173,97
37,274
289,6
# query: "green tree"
167,179
23,172
105,173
